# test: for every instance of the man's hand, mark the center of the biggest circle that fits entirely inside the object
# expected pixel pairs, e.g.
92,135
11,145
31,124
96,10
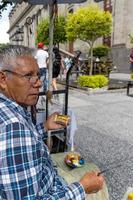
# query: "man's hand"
92,182
50,124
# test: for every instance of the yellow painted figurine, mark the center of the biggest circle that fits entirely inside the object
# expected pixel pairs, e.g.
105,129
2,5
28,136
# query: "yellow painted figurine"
130,196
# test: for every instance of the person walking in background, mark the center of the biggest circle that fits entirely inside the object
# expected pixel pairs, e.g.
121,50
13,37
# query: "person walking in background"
57,66
67,63
27,171
131,60
42,61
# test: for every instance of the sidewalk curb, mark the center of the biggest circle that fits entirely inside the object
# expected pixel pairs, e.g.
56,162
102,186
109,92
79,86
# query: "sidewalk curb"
95,91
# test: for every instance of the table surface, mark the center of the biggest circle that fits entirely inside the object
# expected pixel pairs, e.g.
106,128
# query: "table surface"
72,175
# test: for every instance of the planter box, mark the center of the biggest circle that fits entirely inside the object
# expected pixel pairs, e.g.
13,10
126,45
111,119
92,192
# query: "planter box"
97,90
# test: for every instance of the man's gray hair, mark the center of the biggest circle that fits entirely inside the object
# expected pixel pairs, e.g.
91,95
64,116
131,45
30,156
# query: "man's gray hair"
13,51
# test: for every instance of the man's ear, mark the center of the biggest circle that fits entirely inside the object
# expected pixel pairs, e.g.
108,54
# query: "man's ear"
2,80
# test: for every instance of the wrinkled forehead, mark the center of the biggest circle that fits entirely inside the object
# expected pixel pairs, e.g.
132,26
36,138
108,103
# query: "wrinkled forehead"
20,61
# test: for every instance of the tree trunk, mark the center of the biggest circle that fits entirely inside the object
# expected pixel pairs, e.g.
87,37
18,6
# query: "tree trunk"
91,60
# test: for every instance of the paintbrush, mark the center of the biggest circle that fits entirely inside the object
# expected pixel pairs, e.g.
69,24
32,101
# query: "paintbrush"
109,169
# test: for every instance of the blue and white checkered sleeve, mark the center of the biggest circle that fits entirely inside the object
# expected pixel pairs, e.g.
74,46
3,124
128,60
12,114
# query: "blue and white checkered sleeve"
41,131
74,191
19,170
77,191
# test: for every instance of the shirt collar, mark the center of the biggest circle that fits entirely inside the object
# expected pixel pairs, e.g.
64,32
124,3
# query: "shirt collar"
14,106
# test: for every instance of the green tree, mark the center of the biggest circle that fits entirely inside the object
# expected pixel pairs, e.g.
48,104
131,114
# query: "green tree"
43,31
88,24
59,31
3,45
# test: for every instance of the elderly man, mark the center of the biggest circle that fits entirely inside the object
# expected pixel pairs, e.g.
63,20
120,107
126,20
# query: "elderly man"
26,169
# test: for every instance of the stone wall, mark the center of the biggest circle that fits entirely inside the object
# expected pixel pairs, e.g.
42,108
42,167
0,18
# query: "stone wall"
120,55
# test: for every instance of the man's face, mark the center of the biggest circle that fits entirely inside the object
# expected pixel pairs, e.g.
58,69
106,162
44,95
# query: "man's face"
20,89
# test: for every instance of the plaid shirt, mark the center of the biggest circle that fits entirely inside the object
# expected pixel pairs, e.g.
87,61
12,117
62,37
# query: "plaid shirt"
26,169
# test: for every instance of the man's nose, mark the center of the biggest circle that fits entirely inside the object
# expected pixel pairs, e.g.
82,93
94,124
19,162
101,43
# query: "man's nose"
38,83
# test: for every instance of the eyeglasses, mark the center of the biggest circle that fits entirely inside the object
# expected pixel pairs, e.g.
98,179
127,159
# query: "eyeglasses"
31,78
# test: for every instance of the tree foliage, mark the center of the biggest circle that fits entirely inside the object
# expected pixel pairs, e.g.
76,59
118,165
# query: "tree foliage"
88,24
3,5
3,45
59,31
43,31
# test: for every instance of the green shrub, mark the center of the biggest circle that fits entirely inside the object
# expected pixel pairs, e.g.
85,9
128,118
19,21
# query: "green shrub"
132,76
96,81
100,51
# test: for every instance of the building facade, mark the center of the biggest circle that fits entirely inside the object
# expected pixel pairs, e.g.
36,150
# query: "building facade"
24,19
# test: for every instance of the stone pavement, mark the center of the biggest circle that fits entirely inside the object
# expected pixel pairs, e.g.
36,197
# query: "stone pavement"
105,135
118,80
119,76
